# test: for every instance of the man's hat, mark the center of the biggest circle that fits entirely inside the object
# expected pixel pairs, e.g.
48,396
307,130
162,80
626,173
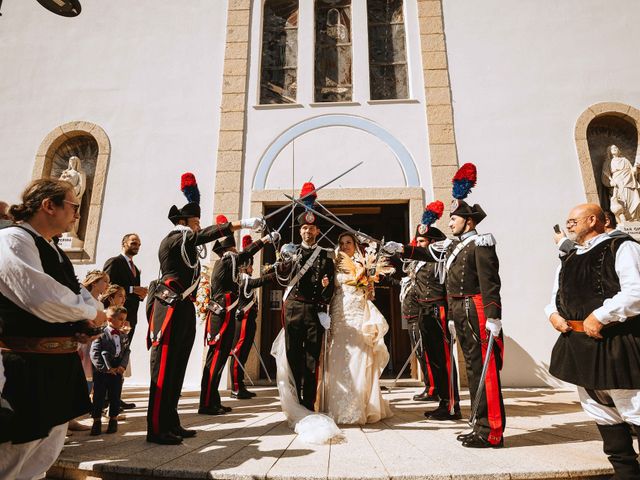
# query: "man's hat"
308,198
222,244
463,181
432,212
189,188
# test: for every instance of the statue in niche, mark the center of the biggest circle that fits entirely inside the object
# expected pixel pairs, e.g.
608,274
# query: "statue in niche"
75,175
621,178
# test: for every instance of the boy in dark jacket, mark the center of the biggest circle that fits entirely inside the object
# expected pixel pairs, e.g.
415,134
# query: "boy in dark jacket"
110,357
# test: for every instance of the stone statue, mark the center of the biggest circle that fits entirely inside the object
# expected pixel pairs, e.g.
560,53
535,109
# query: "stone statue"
622,180
76,177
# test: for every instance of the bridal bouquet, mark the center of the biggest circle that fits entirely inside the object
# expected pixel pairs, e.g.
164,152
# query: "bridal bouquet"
364,269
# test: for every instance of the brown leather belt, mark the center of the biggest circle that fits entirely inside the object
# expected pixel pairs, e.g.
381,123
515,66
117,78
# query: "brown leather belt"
49,345
576,325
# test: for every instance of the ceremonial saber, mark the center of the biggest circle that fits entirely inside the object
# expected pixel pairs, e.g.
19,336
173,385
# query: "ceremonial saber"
284,207
418,343
324,372
452,342
479,392
332,221
344,225
264,367
243,370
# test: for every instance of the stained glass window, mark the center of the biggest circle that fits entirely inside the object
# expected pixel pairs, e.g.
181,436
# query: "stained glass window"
278,79
387,50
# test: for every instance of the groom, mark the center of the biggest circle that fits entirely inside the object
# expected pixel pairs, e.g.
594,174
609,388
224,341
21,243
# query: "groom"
304,299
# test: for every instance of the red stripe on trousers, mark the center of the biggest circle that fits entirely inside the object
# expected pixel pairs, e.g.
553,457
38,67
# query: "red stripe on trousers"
447,355
227,316
432,387
157,399
239,343
492,390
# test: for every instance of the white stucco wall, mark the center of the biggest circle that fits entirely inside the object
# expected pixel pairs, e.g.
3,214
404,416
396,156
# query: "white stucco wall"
520,79
147,72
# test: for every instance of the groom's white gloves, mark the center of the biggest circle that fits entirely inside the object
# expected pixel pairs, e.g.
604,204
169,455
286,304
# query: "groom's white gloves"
393,247
325,320
254,223
494,325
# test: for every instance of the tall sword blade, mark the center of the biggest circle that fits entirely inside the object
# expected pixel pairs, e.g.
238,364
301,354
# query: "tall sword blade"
340,224
284,207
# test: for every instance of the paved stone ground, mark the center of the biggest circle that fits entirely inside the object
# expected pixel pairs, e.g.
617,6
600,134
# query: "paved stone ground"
548,436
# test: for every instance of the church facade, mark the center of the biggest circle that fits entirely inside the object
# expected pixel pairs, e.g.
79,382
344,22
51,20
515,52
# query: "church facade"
257,97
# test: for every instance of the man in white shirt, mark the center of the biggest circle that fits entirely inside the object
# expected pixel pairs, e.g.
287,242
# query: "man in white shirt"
596,306
44,313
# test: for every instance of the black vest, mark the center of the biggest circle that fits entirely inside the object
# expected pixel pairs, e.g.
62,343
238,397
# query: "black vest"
16,322
584,283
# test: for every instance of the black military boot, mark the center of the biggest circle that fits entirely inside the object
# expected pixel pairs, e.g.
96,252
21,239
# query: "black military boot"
96,428
618,445
442,412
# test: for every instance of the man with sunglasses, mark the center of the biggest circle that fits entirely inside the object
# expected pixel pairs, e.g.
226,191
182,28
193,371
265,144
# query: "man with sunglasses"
595,305
43,312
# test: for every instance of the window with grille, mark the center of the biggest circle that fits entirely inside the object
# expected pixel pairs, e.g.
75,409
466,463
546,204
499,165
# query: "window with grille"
278,76
388,78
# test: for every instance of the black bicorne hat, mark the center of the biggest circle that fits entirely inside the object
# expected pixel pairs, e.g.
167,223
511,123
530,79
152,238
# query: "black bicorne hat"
432,233
461,208
190,210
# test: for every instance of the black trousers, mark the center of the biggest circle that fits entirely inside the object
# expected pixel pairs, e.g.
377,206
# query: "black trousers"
245,332
415,334
106,384
437,341
303,335
217,355
168,366
470,321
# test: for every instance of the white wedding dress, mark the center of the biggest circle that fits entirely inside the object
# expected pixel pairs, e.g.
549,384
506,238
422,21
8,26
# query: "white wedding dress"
356,357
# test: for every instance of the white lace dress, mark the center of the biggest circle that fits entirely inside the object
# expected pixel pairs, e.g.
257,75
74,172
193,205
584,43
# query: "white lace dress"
356,357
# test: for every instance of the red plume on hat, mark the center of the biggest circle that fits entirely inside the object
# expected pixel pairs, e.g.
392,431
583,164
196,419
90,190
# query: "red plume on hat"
189,187
308,194
220,219
246,241
464,180
432,212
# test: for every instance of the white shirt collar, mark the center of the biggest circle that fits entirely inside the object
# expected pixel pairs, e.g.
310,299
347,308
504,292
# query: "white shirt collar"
592,242
180,228
304,244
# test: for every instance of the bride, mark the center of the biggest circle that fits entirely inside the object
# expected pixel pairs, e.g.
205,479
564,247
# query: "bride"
356,353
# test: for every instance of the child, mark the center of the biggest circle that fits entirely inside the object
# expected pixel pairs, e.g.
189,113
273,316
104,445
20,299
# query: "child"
110,356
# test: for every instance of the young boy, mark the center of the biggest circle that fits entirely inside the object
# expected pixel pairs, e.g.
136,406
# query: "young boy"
109,356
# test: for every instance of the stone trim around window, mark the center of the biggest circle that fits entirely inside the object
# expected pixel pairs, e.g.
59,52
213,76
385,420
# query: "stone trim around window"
42,168
627,112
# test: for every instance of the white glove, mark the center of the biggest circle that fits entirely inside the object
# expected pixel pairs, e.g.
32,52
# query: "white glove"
274,237
393,247
325,320
494,325
254,223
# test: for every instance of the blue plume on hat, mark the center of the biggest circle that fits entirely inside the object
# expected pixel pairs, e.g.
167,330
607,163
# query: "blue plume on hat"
189,187
464,180
308,195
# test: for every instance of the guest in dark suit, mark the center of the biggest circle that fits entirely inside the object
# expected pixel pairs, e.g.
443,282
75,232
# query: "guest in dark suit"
122,271
109,356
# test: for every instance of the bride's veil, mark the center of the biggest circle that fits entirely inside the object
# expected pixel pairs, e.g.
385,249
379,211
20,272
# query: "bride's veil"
315,428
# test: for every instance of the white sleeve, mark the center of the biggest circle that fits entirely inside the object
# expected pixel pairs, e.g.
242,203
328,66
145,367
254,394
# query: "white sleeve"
625,303
23,282
551,308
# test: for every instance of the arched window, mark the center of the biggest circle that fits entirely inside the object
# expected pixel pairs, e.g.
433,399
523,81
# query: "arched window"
387,50
333,78
278,76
